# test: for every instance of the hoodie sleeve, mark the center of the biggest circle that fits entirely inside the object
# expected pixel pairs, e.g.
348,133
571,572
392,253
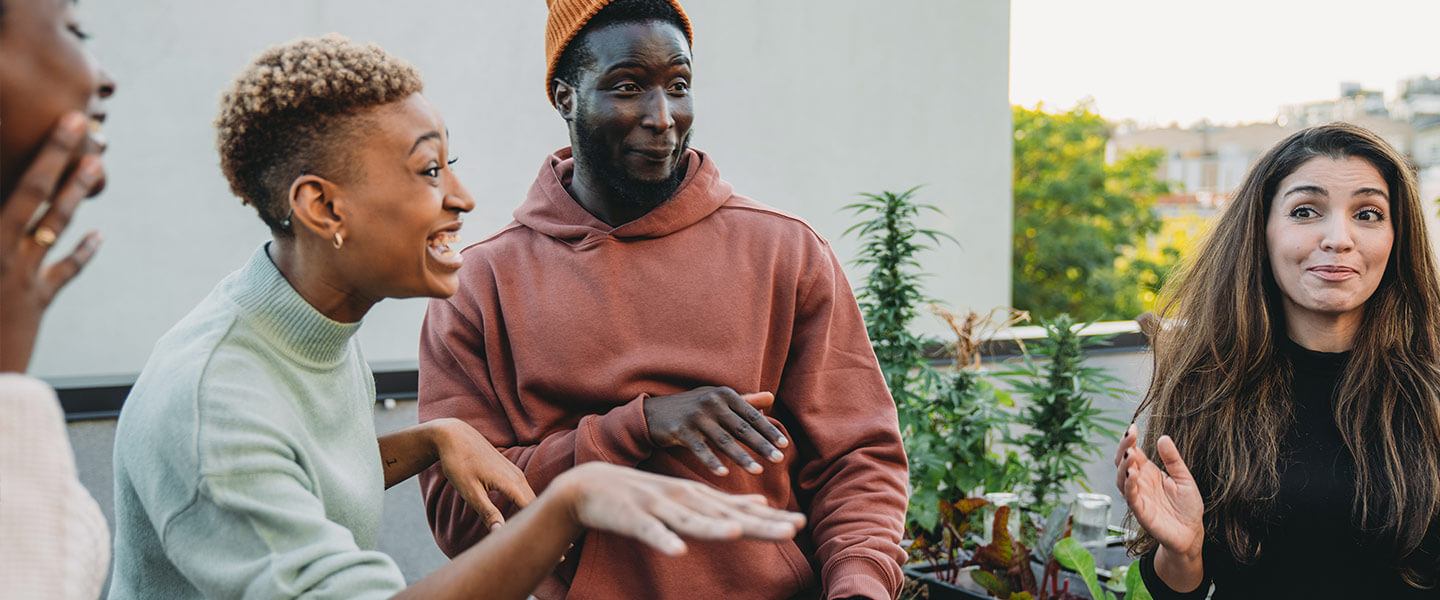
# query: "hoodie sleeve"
455,382
855,473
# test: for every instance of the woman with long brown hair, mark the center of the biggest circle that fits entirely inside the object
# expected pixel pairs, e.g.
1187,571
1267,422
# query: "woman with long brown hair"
1295,403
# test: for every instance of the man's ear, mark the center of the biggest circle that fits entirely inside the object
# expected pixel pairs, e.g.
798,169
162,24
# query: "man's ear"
562,96
312,206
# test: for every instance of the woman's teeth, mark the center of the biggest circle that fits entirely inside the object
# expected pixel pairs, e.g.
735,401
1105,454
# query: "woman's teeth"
441,243
97,137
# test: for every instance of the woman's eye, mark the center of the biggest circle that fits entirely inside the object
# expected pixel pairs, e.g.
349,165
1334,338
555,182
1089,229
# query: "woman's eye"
431,172
1303,212
79,33
1370,214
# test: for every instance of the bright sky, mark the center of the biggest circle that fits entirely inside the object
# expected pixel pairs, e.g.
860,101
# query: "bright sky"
1163,61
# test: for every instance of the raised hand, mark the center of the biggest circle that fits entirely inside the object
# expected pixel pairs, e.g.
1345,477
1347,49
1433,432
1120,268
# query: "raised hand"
1167,504
716,416
659,510
28,284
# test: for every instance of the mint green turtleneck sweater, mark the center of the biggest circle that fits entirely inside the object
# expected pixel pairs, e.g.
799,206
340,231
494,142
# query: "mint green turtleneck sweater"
246,464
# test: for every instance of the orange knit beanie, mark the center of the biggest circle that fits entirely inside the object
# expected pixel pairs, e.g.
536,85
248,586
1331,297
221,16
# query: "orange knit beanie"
568,17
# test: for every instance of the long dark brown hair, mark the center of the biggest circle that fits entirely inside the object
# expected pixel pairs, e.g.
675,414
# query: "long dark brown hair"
1224,395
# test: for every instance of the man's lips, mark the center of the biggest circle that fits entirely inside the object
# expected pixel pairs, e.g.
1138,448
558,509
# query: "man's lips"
1333,272
656,154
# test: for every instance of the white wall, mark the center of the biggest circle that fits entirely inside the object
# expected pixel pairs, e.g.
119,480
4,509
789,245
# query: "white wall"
803,104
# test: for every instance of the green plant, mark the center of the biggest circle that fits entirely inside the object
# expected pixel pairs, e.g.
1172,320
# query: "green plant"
1004,564
1061,413
948,419
891,296
951,435
1073,556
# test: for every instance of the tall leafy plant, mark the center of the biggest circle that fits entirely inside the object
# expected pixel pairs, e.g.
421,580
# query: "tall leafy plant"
891,296
1061,414
948,419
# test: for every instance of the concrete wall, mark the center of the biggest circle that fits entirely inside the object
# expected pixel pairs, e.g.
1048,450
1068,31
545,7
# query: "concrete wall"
803,104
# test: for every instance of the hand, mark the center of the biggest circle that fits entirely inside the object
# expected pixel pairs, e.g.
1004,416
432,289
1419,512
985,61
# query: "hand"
476,468
1168,506
28,285
657,510
719,415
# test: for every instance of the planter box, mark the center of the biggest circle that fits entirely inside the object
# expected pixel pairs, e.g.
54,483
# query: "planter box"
965,588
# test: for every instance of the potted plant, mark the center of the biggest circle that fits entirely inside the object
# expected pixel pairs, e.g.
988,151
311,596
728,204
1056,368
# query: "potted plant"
1060,390
948,419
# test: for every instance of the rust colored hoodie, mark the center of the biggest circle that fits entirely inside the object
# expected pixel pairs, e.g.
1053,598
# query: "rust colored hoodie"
564,325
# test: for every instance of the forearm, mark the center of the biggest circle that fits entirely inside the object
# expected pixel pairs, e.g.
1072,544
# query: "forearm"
410,450
512,560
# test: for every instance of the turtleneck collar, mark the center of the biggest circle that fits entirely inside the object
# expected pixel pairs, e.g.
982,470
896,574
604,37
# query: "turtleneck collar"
275,308
1313,361
550,210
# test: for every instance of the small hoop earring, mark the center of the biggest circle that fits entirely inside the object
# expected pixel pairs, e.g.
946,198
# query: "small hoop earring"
339,241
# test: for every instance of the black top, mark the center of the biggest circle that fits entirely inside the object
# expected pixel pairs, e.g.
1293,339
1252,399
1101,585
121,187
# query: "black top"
1310,547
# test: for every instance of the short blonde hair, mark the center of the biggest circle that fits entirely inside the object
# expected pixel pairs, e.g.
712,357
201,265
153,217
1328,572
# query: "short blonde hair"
292,110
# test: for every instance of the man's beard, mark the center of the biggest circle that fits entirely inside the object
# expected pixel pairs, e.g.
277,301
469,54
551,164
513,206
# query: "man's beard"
644,195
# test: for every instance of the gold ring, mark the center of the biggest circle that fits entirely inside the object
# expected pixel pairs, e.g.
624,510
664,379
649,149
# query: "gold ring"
44,236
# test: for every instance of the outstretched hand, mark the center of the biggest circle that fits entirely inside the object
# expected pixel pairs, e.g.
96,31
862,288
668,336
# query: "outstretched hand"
28,284
659,510
716,416
1166,503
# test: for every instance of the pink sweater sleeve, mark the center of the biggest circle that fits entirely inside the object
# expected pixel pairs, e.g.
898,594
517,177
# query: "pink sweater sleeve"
455,382
856,475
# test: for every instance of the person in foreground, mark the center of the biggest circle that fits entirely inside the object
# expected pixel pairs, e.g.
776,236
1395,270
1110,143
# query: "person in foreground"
53,539
1300,432
617,317
246,461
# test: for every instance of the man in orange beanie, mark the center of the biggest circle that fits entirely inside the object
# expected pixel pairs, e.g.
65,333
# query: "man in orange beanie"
639,312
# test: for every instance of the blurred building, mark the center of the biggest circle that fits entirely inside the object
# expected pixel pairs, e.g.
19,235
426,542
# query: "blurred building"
1205,163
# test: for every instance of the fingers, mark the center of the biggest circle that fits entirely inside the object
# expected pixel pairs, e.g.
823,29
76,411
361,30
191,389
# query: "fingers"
726,443
516,488
701,450
1170,455
38,183
60,273
1126,442
745,431
1123,452
750,412
479,499
759,400
696,514
654,533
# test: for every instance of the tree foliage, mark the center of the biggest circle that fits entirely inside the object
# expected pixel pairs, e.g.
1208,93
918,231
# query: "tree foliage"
1076,217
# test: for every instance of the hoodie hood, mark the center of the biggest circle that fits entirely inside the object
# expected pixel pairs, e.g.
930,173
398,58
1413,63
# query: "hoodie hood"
550,210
